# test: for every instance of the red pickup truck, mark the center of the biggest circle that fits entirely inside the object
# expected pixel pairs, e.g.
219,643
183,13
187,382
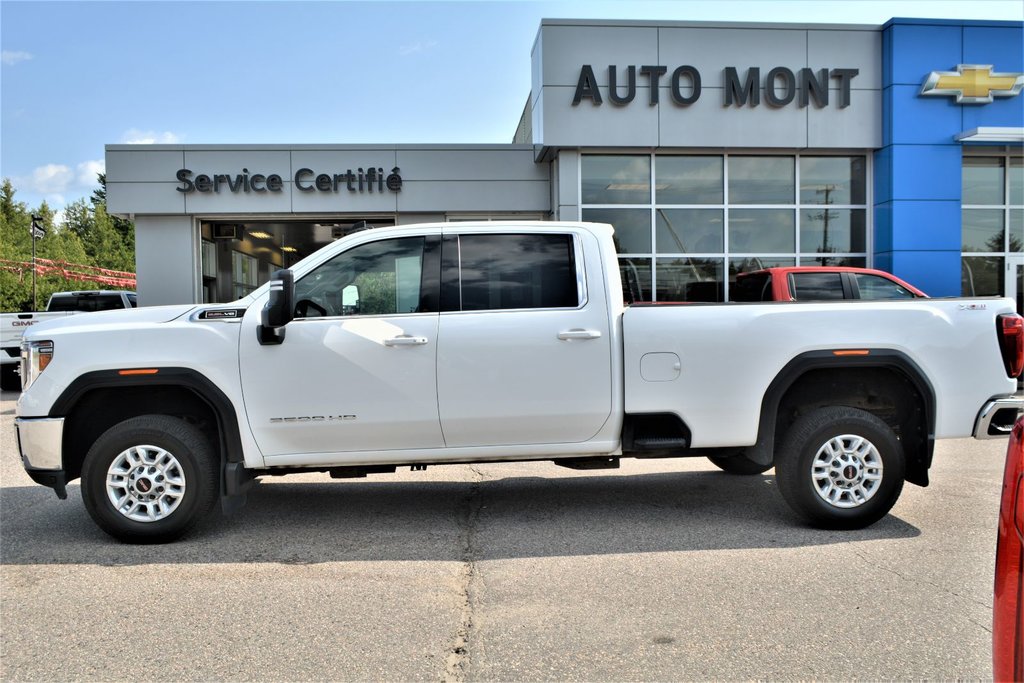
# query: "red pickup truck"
820,283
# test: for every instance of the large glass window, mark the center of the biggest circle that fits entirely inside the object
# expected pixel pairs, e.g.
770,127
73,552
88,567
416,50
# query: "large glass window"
615,179
992,218
710,217
244,274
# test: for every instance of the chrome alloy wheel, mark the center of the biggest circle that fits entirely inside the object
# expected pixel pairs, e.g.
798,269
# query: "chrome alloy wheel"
145,483
847,471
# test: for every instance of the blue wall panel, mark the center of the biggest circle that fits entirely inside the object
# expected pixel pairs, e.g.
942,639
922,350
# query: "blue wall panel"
1003,48
936,273
922,120
918,171
926,171
926,226
918,49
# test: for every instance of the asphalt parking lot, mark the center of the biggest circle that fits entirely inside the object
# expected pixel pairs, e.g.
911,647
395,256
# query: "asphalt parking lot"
666,570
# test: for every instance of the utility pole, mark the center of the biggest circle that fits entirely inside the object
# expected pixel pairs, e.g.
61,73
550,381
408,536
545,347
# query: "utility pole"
38,232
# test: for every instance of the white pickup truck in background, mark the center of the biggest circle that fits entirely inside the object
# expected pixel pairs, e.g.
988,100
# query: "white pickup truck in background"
484,342
13,325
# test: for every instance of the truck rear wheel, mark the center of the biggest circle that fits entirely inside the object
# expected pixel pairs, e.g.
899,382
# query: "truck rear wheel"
150,479
738,464
840,468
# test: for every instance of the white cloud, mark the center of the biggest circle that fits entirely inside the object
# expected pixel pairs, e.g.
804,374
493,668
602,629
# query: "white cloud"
149,137
418,46
55,181
12,57
59,216
88,170
50,179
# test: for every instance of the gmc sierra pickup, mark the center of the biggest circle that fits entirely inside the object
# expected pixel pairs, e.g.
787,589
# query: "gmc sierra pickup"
482,342
13,325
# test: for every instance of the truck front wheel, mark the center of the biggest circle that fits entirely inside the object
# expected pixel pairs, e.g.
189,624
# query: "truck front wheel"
150,479
840,468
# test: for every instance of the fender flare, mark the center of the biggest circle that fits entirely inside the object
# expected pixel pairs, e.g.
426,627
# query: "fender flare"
917,463
194,381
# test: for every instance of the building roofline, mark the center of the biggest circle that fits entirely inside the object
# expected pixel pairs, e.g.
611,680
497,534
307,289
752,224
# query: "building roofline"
318,147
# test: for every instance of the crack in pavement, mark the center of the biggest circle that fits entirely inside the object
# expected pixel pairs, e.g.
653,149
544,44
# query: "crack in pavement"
943,589
459,658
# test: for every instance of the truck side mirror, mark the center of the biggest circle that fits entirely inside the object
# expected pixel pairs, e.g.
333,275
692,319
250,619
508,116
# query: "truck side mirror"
280,308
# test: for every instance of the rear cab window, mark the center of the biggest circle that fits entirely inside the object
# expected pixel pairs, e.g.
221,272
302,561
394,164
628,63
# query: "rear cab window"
87,302
816,286
490,272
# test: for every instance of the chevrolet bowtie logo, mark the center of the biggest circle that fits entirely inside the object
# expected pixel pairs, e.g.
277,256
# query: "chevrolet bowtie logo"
973,84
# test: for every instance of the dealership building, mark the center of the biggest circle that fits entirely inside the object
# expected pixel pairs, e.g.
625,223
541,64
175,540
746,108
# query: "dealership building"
713,148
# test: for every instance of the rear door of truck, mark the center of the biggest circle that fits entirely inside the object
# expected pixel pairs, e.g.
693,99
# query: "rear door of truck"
524,343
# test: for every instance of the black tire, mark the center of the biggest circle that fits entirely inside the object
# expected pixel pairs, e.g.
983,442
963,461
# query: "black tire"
800,489
192,460
738,464
10,380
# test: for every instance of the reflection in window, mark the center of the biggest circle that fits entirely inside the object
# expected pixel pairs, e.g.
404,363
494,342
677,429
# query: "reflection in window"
689,231
632,228
844,261
983,180
981,276
636,279
1016,173
689,180
377,278
689,279
768,231
517,271
825,231
616,179
982,230
1016,229
832,180
761,180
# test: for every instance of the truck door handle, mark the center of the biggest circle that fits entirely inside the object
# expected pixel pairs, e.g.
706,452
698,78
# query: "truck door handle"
579,334
405,340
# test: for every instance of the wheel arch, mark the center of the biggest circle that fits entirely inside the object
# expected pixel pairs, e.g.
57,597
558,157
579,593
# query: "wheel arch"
97,400
820,378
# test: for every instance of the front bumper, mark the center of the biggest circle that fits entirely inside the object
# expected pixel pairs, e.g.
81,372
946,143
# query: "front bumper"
996,418
40,442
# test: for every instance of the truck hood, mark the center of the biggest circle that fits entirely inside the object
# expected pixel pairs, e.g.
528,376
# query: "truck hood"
150,314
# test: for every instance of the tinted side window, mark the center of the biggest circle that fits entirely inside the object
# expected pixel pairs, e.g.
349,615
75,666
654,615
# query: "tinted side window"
133,299
377,278
517,271
817,286
877,287
752,288
85,303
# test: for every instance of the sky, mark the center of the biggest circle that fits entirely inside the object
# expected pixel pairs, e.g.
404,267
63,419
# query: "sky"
75,76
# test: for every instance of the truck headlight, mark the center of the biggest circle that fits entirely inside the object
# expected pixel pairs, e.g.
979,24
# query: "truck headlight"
35,356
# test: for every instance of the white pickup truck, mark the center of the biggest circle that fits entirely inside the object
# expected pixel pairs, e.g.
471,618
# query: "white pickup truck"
485,342
13,325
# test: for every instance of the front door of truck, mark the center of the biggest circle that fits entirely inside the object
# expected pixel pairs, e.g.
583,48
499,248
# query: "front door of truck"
356,369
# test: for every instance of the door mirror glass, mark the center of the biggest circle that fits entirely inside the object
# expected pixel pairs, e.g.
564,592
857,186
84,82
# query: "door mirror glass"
350,300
